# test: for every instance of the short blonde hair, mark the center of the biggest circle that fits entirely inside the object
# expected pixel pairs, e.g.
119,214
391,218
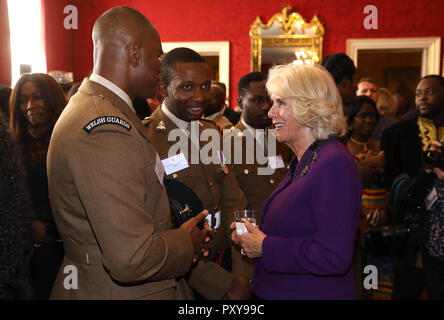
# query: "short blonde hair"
315,99
386,103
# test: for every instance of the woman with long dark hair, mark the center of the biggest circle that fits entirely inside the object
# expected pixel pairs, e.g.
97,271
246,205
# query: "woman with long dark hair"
36,103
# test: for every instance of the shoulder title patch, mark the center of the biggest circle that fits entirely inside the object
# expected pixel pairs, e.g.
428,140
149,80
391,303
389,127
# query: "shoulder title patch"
107,120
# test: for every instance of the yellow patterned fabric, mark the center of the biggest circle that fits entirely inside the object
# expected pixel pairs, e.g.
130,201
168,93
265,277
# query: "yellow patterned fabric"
428,132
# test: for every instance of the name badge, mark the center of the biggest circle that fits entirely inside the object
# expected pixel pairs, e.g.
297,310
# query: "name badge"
160,171
431,198
175,163
276,162
214,220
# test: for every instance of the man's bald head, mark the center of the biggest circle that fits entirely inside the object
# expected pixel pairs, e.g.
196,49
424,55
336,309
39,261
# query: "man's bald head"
118,26
127,50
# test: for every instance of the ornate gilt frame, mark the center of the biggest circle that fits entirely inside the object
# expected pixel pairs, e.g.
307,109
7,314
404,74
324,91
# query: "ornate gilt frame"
290,25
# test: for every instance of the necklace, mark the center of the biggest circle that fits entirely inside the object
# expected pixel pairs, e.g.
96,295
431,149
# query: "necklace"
363,144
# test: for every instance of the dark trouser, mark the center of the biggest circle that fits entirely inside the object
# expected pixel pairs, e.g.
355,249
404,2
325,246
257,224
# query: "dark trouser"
409,281
45,265
434,276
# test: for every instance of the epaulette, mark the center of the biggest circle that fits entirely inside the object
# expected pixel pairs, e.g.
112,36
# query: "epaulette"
212,123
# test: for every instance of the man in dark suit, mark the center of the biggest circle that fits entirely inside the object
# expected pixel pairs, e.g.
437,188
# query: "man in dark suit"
228,113
405,144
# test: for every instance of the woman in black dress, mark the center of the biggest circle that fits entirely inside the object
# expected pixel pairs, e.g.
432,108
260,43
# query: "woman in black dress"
36,103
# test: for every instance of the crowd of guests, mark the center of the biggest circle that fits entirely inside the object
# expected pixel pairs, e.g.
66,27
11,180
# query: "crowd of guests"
95,196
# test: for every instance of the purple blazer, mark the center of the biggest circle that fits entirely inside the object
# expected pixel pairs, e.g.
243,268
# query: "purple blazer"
311,222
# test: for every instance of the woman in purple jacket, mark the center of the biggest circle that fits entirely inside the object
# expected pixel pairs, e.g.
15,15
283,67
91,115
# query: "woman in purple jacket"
304,245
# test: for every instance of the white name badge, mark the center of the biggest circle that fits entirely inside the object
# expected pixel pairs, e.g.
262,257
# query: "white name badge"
431,198
213,220
160,171
276,162
175,163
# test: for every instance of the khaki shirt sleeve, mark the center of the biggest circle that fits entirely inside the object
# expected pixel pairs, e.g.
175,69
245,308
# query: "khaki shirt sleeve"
114,175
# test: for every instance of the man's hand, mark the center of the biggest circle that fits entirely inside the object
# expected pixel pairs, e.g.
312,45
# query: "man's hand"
199,237
239,290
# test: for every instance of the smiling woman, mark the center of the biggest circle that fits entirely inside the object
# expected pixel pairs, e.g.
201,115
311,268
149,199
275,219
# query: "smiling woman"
303,247
36,103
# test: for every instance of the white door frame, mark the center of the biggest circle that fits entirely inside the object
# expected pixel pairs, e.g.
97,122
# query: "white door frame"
208,48
430,46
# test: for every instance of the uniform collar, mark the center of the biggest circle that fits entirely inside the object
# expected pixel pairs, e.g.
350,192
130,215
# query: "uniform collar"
215,115
181,124
112,87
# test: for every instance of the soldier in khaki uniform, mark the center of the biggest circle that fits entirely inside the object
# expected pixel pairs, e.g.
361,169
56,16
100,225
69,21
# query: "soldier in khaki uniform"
106,181
185,81
255,103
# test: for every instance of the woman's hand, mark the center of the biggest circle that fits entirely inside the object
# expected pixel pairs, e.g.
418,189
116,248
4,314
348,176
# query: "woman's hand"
250,242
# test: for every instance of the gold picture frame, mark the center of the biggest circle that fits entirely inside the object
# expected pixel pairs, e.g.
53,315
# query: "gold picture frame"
286,30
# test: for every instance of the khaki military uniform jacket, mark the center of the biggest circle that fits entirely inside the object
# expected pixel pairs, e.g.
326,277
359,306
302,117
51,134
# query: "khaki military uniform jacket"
249,180
257,188
216,189
109,206
222,122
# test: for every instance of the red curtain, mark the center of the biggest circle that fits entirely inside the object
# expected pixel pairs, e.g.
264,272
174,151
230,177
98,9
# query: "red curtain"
5,46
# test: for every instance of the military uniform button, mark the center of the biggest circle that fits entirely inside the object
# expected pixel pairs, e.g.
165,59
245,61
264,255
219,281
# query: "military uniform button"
175,176
272,181
246,171
211,183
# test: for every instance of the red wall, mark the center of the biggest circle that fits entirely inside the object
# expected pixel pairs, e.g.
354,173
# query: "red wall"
230,20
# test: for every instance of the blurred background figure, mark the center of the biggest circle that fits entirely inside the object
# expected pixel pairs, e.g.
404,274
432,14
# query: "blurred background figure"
5,93
362,120
345,75
15,221
75,87
405,104
64,79
216,109
145,107
368,87
36,103
155,101
386,103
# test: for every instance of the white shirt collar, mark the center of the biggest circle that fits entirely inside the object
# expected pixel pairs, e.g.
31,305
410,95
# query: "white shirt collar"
213,116
181,124
111,86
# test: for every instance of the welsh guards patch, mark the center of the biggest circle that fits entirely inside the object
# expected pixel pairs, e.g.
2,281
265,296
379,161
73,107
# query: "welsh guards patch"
107,120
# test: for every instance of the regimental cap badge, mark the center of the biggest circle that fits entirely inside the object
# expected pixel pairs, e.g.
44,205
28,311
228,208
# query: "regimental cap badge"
161,126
